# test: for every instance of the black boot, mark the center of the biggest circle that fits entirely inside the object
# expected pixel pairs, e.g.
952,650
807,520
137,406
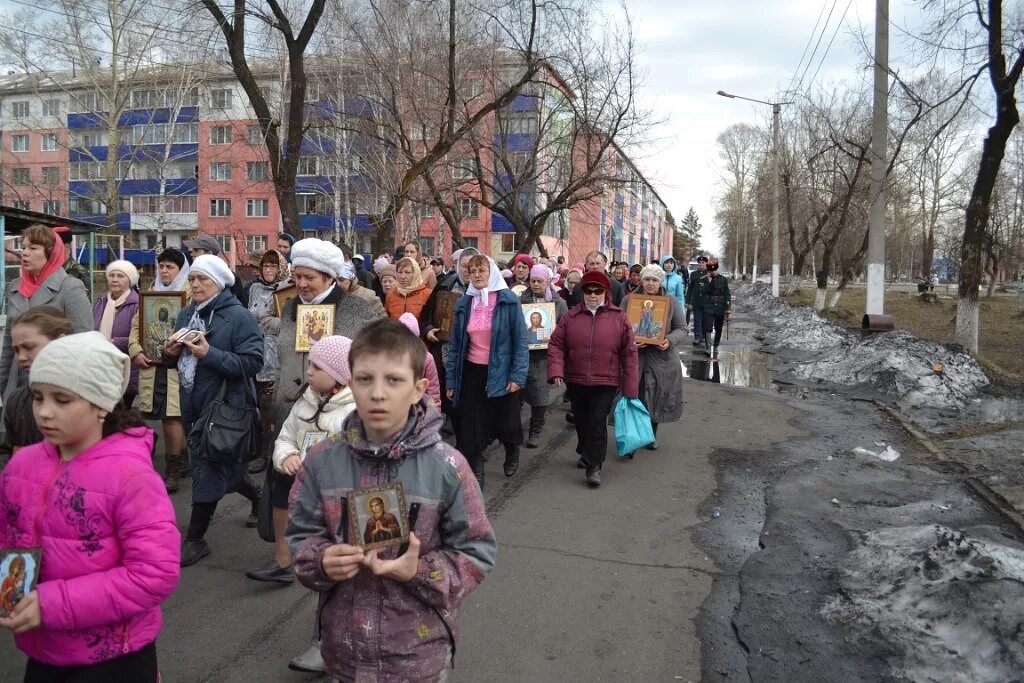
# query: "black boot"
172,473
511,460
653,446
536,426
476,463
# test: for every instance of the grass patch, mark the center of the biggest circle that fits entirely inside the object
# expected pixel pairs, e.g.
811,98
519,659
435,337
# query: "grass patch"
1000,336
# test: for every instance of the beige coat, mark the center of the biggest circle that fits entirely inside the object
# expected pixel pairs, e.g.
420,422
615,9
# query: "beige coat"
147,377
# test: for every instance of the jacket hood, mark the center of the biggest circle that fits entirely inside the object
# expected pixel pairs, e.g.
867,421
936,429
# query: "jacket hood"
421,431
338,400
136,443
666,259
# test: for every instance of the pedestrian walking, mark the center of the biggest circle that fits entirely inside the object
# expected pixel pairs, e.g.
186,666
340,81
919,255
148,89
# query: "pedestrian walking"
410,293
695,294
537,392
414,251
390,614
36,328
597,261
89,498
717,305
112,315
593,352
488,364
661,375
674,285
388,277
272,277
229,348
159,394
521,266
633,281
43,282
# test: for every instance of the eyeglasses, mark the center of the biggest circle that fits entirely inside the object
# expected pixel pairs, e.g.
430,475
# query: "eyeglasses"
593,291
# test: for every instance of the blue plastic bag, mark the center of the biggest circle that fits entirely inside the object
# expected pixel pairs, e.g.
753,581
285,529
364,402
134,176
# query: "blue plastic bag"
633,428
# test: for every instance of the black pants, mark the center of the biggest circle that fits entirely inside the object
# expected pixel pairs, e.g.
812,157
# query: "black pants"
716,321
482,418
134,667
591,406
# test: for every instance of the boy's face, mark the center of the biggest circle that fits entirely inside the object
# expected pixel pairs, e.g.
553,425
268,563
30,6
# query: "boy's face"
384,389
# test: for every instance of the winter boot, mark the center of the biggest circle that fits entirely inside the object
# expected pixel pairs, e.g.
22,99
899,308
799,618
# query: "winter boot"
536,426
310,661
511,460
172,473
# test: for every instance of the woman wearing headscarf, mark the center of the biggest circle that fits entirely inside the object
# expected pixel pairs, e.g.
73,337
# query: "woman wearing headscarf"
521,265
272,276
43,282
410,294
633,283
537,393
228,349
414,251
661,375
488,364
113,314
572,281
159,397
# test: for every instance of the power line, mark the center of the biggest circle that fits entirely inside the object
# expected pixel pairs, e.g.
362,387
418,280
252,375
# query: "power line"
834,34
824,29
807,45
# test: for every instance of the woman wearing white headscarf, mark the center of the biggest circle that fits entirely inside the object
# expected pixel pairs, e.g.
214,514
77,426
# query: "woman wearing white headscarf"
112,315
537,392
158,381
487,365
661,375
230,349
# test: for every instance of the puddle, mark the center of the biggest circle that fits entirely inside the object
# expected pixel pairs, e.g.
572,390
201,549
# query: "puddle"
738,366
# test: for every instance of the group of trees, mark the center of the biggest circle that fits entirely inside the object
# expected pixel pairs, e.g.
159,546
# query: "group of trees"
517,106
954,192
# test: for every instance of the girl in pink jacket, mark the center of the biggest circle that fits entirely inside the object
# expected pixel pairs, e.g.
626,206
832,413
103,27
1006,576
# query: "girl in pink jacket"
88,496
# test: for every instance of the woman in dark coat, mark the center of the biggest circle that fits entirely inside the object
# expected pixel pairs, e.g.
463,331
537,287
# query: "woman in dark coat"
112,315
231,349
537,392
661,375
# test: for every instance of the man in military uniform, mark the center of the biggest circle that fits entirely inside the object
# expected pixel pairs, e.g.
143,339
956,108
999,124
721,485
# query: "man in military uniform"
695,299
717,305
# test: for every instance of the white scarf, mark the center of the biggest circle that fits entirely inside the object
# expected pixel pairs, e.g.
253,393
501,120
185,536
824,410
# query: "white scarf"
187,363
319,297
495,283
109,311
177,284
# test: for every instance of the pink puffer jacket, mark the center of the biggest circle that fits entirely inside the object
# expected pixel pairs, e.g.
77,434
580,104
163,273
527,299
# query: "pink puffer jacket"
110,546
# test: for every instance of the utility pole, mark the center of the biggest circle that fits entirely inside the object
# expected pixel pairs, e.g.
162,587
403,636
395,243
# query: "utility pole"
879,134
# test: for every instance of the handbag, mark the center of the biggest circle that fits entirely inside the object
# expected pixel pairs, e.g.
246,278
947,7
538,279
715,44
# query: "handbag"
225,434
633,429
265,510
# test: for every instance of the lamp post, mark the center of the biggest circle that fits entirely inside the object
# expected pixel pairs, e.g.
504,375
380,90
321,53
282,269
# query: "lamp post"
776,112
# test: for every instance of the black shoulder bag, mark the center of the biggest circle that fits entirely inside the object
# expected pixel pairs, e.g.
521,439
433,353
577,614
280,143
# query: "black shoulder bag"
226,434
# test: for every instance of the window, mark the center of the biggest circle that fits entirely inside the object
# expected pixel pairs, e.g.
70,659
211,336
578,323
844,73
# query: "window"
224,241
89,102
256,170
462,169
468,242
171,203
220,98
508,242
52,207
51,176
426,244
49,142
308,166
469,208
51,107
20,110
517,124
149,134
220,170
220,207
255,243
254,135
190,98
421,211
20,176
89,138
220,135
87,170
20,204
312,203
148,99
257,208
19,143
186,133
86,205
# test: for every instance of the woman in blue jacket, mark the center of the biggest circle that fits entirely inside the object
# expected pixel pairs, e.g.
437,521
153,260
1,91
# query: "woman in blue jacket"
487,364
674,283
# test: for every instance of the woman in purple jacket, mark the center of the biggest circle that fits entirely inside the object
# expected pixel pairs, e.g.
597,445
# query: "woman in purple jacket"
112,315
593,352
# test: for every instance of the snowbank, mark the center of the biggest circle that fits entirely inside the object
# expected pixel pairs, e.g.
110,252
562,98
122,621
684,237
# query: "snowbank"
918,588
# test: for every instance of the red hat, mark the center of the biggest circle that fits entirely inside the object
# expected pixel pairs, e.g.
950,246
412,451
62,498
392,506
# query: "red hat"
595,277
525,258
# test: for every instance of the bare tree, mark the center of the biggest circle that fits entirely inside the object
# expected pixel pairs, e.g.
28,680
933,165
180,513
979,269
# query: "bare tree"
739,147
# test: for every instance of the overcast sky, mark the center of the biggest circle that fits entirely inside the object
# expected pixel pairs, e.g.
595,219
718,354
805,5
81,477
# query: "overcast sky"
691,49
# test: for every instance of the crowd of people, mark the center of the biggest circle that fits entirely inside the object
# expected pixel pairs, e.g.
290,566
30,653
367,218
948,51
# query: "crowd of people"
416,349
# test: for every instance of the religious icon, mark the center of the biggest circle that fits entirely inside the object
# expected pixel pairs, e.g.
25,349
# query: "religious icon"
19,571
379,516
444,313
540,324
311,439
648,315
157,313
281,297
313,322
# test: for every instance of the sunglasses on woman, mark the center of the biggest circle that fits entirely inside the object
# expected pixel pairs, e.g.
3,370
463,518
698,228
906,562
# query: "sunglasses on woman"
593,290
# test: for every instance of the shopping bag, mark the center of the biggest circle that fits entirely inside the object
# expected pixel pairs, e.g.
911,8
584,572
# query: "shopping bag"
633,428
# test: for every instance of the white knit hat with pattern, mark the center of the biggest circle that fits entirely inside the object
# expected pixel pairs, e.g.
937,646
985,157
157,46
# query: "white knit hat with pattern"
86,364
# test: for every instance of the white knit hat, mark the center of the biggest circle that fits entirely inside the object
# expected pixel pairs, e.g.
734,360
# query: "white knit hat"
320,255
125,268
652,270
86,364
214,268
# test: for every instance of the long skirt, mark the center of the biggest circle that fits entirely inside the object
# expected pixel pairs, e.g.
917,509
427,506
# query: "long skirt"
483,418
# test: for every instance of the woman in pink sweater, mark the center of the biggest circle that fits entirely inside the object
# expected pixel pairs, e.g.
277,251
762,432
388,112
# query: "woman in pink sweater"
88,496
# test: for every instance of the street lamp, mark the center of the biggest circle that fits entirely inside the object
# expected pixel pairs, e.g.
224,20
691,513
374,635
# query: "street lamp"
776,111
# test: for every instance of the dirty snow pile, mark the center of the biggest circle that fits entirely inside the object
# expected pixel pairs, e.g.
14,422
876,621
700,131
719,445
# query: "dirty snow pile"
894,363
951,607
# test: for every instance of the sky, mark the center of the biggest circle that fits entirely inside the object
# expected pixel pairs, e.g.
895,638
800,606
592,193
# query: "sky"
690,49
